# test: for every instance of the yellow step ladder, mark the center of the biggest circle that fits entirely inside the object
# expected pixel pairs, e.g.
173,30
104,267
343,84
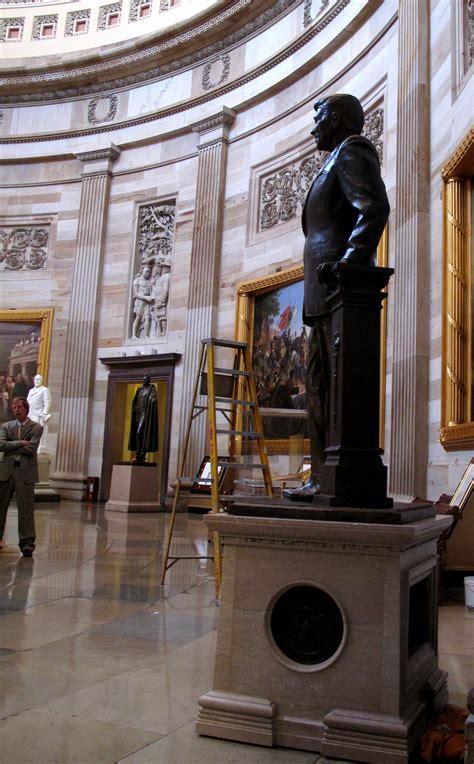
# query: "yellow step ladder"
230,392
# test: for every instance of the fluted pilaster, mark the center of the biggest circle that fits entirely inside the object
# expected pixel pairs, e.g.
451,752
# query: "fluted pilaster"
79,364
456,303
409,435
205,264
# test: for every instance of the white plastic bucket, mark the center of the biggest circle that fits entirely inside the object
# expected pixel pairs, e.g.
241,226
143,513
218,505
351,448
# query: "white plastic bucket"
469,592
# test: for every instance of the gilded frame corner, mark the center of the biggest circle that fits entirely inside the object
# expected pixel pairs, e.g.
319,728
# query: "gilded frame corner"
44,316
457,425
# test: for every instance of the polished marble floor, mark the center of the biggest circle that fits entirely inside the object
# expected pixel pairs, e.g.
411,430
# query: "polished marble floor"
101,664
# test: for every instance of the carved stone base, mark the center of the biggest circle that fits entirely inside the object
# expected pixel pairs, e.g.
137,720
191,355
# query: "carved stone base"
134,488
43,489
327,636
236,717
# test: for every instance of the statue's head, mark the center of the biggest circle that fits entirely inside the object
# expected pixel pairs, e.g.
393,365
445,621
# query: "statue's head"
336,117
146,380
38,380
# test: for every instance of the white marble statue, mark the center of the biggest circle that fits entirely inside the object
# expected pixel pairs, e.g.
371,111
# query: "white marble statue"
40,401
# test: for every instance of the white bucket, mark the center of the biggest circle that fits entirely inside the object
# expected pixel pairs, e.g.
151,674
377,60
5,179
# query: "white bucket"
469,592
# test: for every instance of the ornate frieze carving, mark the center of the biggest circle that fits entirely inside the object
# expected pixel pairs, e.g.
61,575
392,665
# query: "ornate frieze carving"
74,16
102,109
282,193
373,129
209,78
151,279
104,11
23,247
39,22
308,9
11,22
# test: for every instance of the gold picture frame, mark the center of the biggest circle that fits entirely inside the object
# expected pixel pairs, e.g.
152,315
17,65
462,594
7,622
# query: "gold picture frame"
248,290
40,318
457,413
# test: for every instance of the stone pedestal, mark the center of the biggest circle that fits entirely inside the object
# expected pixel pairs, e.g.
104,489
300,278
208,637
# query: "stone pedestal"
327,637
43,489
353,473
134,488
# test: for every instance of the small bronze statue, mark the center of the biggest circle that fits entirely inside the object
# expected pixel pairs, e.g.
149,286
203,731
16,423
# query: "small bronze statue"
344,216
144,422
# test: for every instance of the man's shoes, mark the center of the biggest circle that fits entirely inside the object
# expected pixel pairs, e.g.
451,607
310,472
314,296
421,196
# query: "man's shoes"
27,551
305,493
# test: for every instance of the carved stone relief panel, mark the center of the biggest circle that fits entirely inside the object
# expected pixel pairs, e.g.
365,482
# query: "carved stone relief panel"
282,193
81,27
23,247
216,72
373,129
152,270
44,21
102,109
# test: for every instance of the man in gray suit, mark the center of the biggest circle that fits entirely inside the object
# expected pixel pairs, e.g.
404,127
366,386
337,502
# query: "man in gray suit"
19,441
344,215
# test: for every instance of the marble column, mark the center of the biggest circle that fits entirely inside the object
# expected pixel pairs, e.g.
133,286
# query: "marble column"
409,423
72,453
205,266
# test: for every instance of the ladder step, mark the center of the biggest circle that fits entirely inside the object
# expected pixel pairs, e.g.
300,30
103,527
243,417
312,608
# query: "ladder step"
232,372
245,433
193,479
244,465
224,343
223,399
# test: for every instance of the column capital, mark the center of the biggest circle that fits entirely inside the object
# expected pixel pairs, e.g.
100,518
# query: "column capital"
214,128
99,161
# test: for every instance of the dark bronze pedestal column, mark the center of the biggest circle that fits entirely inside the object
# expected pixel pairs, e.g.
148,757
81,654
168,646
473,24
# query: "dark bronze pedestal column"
353,474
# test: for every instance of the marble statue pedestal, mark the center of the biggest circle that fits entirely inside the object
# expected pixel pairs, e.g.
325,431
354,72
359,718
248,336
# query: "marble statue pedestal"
134,488
372,615
43,489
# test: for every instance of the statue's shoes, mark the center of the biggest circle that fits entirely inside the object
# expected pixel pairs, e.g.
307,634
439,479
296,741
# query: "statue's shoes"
305,493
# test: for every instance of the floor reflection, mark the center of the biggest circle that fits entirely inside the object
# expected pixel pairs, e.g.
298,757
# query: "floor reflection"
95,651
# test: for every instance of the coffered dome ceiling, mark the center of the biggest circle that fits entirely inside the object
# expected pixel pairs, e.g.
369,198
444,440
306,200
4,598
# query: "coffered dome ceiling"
204,34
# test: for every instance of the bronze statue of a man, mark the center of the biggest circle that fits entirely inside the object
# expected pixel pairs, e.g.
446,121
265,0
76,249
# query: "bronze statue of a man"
344,215
144,423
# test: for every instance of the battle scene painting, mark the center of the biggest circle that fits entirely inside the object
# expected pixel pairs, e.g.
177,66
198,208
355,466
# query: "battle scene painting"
280,355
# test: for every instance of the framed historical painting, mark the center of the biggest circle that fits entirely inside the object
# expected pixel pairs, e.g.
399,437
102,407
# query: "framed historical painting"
25,341
269,317
457,377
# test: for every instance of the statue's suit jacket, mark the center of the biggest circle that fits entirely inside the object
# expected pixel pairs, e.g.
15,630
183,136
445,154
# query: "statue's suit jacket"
28,468
343,217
